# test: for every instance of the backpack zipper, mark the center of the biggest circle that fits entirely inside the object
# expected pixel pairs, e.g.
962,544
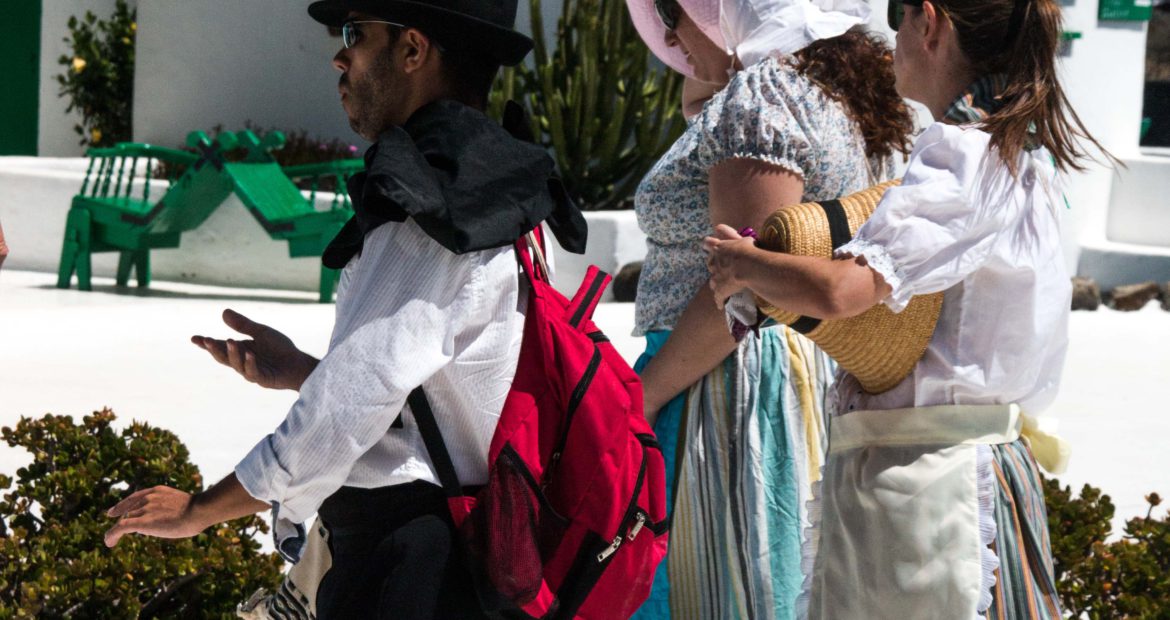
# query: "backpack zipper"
574,401
639,523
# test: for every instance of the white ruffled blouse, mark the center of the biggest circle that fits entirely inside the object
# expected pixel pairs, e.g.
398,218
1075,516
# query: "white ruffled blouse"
960,223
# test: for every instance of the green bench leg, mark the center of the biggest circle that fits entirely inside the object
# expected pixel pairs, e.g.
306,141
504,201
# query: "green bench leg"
142,267
125,262
329,279
75,251
139,261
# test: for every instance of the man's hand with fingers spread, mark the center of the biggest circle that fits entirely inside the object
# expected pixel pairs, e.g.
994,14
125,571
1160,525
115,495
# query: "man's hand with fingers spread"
164,512
158,511
269,359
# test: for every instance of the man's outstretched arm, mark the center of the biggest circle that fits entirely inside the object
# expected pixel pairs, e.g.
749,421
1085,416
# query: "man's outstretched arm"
170,513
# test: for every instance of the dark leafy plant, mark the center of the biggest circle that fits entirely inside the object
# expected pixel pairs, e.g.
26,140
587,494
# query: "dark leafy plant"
596,101
1125,578
53,563
99,76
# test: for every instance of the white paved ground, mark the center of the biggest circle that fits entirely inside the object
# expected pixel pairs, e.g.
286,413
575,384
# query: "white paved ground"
69,352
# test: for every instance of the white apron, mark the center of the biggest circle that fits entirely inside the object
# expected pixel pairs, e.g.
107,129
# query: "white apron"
900,535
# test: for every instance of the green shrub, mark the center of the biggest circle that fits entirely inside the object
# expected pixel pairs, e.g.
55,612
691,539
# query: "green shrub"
1126,578
596,101
53,562
99,76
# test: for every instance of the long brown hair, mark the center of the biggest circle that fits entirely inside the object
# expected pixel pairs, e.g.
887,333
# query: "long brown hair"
857,69
1020,39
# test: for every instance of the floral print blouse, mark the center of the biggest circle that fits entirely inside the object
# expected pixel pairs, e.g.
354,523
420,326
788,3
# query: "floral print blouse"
768,112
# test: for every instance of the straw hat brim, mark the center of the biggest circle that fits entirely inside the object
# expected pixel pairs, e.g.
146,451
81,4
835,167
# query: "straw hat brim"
878,347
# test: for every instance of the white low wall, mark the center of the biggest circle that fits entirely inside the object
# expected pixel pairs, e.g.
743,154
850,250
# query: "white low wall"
230,249
1130,241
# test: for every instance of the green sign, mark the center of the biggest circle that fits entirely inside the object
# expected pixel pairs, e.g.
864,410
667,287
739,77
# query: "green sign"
1125,10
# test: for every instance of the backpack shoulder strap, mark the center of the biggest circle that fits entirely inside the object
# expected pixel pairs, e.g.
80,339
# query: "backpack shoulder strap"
433,439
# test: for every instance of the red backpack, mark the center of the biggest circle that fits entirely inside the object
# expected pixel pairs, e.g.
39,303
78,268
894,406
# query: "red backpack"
572,520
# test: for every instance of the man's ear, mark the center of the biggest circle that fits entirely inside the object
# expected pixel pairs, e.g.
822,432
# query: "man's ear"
416,49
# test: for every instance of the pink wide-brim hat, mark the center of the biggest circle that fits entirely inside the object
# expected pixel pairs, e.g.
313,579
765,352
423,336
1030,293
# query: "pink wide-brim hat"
705,14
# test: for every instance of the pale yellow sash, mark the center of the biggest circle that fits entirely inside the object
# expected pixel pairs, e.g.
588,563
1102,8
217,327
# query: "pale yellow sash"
949,425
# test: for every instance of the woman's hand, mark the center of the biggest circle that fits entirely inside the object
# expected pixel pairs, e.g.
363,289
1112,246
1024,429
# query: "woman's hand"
727,253
269,359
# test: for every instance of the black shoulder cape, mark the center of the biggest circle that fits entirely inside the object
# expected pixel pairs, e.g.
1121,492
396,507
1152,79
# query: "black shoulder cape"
469,183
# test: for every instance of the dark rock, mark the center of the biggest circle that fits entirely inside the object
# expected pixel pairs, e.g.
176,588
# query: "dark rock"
1086,294
1134,296
1166,297
625,283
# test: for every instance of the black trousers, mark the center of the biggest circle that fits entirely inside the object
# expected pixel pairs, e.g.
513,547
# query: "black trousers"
394,556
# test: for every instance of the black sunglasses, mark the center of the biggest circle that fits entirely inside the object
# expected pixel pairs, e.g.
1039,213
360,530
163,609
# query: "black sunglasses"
896,10
668,11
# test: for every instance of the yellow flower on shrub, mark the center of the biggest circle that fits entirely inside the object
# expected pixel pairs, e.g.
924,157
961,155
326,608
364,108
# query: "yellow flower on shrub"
78,64
95,135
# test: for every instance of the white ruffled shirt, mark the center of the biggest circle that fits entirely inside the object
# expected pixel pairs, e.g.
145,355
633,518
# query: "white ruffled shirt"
960,223
409,313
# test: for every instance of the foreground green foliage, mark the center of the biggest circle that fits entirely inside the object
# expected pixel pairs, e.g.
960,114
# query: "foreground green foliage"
596,101
53,563
99,75
1126,578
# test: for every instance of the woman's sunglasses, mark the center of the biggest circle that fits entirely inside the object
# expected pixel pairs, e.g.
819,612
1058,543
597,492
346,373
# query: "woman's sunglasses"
896,10
668,11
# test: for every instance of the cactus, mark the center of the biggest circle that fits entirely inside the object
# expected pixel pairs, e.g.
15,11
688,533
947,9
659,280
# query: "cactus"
595,101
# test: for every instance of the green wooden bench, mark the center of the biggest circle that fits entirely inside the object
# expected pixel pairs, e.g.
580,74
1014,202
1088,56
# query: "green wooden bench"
114,210
279,206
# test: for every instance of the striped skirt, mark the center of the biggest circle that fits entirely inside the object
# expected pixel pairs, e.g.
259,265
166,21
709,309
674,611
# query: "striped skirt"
744,445
1025,585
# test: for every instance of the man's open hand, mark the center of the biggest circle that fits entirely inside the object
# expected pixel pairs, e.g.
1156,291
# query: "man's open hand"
159,511
269,359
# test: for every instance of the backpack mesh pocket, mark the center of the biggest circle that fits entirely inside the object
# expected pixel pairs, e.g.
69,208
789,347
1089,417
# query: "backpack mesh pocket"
512,530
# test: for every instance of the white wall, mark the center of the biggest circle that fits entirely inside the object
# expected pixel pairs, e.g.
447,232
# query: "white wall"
229,61
213,62
1103,77
55,136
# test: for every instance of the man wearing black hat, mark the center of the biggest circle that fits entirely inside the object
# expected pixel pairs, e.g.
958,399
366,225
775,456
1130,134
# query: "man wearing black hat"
429,296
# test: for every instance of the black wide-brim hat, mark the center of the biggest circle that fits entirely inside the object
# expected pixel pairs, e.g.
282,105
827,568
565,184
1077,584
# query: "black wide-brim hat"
480,26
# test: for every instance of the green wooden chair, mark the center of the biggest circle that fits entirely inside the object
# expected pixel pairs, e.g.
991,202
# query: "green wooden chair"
115,212
280,207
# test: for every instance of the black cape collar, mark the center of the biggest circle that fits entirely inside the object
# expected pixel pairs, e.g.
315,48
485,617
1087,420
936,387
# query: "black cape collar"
466,181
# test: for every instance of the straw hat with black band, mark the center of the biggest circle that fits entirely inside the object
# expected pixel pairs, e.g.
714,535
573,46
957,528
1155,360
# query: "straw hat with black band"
878,347
479,26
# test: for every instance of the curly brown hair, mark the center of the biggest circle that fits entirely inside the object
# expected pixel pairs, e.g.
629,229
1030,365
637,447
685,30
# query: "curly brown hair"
857,69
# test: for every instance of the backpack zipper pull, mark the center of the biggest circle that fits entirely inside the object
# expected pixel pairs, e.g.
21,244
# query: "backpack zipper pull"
641,522
611,549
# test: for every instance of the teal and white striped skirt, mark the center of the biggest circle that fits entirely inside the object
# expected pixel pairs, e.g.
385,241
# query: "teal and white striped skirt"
744,446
